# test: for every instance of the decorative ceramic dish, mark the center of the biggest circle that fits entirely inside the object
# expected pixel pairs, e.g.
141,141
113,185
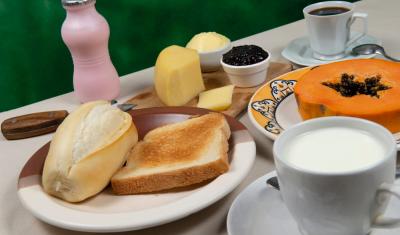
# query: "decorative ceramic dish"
273,107
107,212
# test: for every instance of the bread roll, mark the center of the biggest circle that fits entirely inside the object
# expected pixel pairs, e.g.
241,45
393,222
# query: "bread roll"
89,146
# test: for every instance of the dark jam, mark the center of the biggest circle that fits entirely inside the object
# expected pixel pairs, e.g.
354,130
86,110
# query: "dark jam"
348,87
244,55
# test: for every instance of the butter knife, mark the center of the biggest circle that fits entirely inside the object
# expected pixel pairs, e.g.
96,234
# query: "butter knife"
41,123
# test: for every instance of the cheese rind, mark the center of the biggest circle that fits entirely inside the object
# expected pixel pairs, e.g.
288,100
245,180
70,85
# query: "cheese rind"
177,75
217,99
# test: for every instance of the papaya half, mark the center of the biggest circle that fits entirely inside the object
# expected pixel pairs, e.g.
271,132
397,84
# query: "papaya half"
363,88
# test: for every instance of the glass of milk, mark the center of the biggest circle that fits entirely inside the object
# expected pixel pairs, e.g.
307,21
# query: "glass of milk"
336,175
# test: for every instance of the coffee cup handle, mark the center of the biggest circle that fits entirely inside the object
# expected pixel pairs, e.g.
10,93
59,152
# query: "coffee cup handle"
363,17
380,220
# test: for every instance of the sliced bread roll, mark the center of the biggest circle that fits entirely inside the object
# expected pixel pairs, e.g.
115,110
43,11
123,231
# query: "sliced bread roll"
88,147
176,155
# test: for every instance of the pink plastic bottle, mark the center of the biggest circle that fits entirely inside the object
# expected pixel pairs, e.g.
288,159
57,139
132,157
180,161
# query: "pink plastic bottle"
86,33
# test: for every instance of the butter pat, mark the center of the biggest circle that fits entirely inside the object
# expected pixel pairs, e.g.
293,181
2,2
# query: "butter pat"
216,99
177,75
206,42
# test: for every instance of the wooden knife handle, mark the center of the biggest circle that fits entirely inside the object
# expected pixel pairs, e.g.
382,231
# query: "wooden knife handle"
33,124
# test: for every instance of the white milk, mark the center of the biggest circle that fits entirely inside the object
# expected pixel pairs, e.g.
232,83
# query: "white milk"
334,149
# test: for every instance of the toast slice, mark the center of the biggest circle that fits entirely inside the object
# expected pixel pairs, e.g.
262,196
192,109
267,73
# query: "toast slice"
176,155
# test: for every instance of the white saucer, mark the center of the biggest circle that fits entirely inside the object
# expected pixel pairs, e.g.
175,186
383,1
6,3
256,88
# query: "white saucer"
299,52
259,209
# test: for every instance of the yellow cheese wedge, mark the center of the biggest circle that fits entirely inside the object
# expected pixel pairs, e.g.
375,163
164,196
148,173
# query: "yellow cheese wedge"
177,75
217,99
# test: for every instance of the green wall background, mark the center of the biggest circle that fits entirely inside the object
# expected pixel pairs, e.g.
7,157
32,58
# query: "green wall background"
35,64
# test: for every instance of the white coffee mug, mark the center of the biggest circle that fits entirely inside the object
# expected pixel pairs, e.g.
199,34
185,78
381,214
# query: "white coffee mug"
330,34
338,203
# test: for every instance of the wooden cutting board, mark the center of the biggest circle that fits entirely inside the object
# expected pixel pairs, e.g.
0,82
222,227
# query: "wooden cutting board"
241,96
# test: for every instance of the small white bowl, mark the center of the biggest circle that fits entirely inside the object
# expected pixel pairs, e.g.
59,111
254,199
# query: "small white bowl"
209,61
247,75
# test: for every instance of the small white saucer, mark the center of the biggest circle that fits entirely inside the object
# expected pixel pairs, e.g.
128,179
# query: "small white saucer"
299,51
259,209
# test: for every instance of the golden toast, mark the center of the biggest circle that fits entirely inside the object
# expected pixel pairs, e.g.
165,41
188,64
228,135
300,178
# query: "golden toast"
176,155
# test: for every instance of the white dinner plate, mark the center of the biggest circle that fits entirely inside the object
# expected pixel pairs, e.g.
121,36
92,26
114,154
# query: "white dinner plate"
299,51
259,209
273,107
107,212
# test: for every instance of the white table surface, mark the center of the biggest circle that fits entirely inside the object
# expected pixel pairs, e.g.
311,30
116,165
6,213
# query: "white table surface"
384,23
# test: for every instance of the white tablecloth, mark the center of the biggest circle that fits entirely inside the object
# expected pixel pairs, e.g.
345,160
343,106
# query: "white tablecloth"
384,23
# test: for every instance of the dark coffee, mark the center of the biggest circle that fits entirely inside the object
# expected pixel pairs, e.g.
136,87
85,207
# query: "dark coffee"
328,11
